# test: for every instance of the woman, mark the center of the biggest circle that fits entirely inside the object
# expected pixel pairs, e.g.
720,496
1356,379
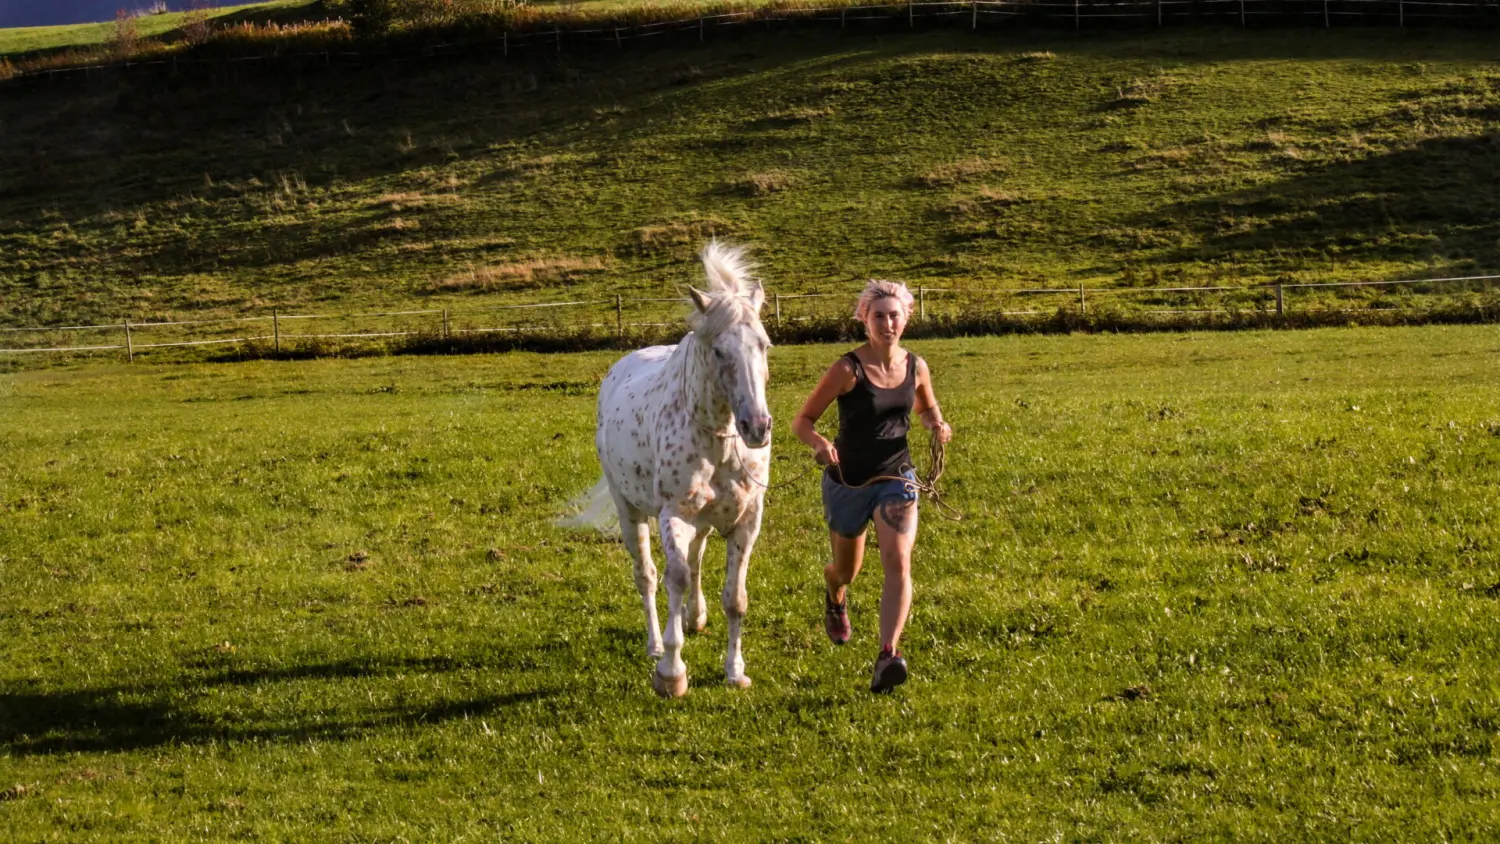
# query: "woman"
877,387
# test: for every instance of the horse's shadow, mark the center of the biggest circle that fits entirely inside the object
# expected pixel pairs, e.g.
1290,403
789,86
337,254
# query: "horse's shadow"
127,717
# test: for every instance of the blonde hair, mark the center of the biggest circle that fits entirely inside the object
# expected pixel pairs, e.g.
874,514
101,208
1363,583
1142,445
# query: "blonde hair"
877,290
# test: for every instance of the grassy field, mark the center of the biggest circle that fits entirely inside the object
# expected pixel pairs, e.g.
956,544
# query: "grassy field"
18,41
1016,158
1231,586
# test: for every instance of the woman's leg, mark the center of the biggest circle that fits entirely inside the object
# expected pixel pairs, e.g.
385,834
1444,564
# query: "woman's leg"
848,556
896,528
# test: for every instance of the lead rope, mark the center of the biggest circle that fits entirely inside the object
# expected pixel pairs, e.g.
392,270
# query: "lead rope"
731,435
927,484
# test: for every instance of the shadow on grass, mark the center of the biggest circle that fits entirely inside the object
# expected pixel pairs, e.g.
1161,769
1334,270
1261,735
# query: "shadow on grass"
269,165
133,717
1434,199
347,124
279,15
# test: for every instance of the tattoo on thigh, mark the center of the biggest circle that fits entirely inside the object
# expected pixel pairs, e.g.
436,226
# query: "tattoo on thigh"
899,515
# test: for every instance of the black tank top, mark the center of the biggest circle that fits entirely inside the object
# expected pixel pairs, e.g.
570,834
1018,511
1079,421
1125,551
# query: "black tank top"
873,422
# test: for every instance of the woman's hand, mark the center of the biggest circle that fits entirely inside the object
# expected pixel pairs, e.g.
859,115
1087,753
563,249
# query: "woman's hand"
943,432
825,454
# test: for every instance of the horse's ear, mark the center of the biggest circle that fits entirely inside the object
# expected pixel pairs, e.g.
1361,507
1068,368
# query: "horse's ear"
757,295
700,299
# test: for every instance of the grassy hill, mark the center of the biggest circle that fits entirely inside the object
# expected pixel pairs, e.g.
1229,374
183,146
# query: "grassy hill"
16,42
956,158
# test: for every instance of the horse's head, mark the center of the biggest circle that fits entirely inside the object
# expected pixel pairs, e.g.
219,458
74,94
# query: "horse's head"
726,321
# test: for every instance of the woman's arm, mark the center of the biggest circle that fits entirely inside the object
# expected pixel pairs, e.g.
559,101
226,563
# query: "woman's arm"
839,379
926,405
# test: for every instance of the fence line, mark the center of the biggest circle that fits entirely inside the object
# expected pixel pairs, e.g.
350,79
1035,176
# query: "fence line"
339,316
70,349
52,328
446,329
1159,12
1383,283
177,322
194,342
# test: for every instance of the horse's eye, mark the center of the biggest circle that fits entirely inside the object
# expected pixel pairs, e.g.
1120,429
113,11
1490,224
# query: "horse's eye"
719,353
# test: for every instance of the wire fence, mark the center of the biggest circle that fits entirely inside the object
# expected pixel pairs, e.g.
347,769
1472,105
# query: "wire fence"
972,14
620,315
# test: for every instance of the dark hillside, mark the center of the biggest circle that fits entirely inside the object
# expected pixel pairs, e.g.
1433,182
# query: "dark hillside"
940,157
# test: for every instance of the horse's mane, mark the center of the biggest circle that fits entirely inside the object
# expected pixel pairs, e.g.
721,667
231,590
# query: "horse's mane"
734,293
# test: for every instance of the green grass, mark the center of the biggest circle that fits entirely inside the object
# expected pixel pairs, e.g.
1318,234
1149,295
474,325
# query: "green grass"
1232,586
1017,158
19,41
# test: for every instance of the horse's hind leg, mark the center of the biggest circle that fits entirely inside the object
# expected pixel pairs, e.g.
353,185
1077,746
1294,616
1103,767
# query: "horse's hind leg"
696,617
635,531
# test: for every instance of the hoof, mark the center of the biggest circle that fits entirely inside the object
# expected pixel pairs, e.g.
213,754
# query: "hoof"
696,627
740,682
669,687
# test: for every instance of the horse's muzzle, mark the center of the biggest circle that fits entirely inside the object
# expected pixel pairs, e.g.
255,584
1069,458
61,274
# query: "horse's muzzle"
755,431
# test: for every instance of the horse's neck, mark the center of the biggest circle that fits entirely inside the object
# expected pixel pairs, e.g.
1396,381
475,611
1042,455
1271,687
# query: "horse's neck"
693,386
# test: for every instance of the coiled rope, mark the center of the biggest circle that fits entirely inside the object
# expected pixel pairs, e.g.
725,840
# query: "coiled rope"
925,484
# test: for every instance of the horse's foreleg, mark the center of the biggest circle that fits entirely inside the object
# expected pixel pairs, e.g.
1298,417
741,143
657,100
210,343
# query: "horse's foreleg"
697,608
677,537
741,541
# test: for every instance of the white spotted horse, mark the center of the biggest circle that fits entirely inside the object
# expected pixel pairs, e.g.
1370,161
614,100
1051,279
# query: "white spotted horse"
684,436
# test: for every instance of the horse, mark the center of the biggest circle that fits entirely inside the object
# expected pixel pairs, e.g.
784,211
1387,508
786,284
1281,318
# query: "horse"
684,435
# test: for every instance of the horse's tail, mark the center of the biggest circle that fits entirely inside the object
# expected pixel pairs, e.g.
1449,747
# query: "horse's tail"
727,268
593,510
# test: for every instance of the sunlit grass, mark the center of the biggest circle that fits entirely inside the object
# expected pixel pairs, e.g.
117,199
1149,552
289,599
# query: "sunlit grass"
1231,586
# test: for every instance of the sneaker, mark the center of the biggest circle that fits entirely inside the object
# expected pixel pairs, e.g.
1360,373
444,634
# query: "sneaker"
890,672
836,620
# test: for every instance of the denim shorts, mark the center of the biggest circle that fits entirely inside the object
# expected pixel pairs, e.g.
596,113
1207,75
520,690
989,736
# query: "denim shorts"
848,510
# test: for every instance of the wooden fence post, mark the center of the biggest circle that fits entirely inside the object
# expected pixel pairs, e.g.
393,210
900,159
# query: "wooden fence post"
911,20
842,13
1242,14
619,315
505,44
974,7
922,303
129,344
558,32
1158,14
778,310
1076,16
1325,14
276,329
1280,301
700,27
1401,11
1083,305
446,333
